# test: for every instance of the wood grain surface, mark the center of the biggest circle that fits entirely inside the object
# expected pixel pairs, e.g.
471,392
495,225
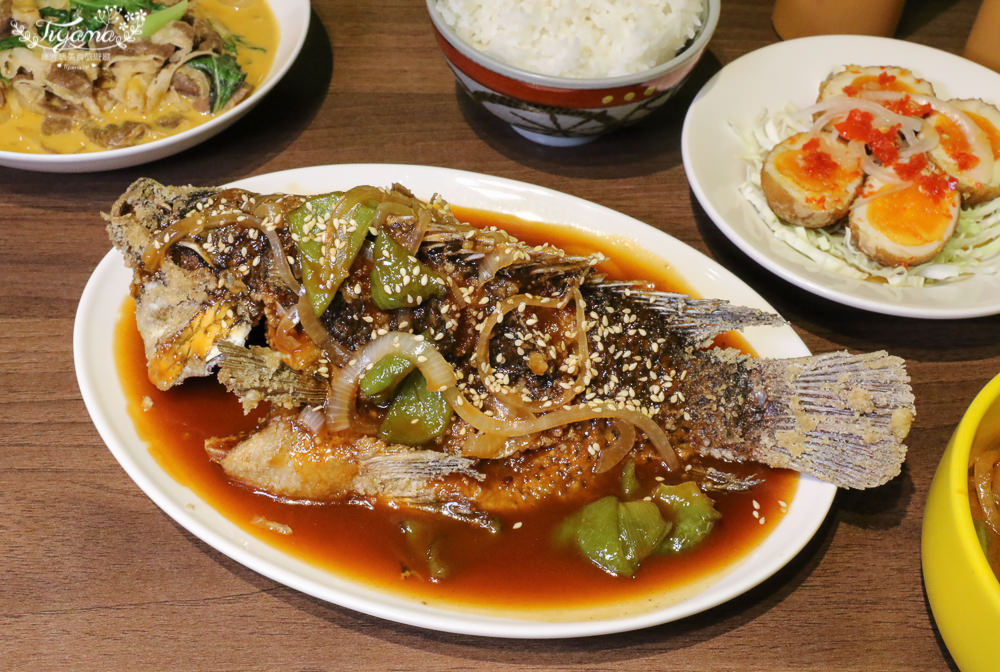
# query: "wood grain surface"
94,577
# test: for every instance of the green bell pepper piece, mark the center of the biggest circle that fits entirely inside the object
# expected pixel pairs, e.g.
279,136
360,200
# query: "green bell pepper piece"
416,415
615,536
597,536
384,377
630,482
641,528
694,515
400,280
323,274
424,545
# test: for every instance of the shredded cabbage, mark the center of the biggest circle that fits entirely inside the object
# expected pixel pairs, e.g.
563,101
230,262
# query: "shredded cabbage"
974,247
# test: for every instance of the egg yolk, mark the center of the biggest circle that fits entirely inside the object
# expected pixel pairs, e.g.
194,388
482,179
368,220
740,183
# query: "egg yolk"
955,143
813,169
990,130
882,82
911,216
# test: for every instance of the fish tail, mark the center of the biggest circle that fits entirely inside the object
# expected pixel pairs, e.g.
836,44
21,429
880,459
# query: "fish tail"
837,416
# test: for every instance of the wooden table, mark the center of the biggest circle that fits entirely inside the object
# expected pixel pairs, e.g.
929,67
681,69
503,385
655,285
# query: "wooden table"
94,576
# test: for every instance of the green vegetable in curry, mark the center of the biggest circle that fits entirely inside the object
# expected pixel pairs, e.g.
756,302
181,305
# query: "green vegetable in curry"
224,76
160,18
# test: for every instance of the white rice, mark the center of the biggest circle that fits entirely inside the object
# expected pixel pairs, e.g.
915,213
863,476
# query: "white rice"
575,38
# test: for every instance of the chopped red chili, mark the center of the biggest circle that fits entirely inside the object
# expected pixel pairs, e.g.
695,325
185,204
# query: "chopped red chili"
815,162
883,144
906,107
910,169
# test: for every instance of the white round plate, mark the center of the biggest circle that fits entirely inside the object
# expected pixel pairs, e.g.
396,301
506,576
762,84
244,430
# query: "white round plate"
791,72
292,17
95,364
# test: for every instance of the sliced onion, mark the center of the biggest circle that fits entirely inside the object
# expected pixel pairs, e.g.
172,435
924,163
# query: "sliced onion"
979,144
878,171
343,387
410,238
558,418
193,223
985,475
481,358
623,442
839,107
515,399
198,221
280,263
493,262
311,418
441,378
335,352
282,338
927,140
269,210
386,208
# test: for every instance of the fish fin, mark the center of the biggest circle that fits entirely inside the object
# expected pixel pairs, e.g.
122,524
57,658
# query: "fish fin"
837,416
711,479
258,374
493,251
408,475
697,319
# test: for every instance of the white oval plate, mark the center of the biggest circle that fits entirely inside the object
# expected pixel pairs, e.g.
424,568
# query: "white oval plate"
292,17
95,366
791,72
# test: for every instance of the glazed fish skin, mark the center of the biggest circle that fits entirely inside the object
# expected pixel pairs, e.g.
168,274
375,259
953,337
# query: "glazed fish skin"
841,417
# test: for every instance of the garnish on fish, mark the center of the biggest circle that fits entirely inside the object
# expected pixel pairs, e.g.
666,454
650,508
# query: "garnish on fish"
413,358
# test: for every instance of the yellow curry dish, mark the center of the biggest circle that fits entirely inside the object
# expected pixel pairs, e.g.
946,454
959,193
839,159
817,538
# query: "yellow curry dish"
89,75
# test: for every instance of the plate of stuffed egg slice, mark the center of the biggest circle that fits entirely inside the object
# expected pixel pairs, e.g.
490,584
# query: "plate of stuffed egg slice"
864,170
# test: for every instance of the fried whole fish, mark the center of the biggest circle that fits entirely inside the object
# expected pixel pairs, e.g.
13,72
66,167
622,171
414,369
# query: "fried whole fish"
544,373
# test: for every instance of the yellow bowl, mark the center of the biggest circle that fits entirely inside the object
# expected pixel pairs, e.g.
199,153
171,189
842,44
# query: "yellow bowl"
963,592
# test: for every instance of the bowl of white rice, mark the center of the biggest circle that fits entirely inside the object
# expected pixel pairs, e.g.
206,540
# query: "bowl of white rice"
562,72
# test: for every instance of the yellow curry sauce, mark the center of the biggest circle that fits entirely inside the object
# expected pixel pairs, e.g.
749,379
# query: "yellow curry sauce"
252,20
516,570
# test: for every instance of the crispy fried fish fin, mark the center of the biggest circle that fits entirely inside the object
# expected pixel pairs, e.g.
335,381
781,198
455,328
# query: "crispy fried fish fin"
408,475
258,374
697,319
837,416
289,461
492,252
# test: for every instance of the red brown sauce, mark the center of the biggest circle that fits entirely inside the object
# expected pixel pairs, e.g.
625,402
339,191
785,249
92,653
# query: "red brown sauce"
516,569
